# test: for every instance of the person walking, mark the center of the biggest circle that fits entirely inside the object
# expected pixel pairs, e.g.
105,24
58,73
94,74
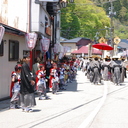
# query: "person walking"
89,72
117,69
96,67
27,90
123,73
105,66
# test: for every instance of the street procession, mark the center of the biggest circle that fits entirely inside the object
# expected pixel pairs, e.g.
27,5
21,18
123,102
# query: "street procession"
54,76
63,63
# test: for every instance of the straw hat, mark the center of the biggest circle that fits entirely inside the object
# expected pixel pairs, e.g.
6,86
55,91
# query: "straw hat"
114,57
95,56
122,58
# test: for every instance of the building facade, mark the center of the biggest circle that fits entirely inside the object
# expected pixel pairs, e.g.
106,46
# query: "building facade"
20,17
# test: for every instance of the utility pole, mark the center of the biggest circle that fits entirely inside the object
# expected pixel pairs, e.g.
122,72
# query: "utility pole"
111,14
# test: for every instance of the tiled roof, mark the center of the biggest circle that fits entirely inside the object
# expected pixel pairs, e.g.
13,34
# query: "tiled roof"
123,43
75,40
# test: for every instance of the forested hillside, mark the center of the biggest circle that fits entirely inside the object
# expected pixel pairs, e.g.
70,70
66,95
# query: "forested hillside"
120,8
90,18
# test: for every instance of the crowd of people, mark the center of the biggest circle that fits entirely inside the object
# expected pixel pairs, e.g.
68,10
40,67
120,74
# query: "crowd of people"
107,69
45,77
54,76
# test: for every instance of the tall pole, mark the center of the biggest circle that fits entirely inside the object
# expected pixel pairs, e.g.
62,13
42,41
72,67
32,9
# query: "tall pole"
111,27
28,29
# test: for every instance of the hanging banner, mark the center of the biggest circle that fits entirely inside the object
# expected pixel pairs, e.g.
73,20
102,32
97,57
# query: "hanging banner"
44,44
31,40
65,49
61,48
2,30
56,48
61,55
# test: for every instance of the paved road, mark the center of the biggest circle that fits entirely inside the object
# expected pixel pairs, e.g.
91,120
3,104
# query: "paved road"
67,109
71,108
114,113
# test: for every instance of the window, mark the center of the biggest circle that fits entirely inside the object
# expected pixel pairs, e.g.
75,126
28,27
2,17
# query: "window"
2,48
13,50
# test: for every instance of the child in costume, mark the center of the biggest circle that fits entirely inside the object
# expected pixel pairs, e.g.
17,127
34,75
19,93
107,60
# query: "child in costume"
15,87
61,77
54,79
41,82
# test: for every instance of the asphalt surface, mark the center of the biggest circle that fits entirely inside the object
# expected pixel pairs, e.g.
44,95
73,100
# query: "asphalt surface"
81,105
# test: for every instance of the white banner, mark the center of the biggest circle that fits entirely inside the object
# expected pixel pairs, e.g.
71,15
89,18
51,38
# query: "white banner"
44,44
56,48
31,40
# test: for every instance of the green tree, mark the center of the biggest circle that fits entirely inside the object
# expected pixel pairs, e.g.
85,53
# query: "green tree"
120,19
83,19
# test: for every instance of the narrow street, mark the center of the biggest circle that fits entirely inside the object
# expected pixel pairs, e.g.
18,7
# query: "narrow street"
81,105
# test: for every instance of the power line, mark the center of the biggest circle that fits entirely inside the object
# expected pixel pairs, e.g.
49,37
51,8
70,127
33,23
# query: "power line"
94,3
87,30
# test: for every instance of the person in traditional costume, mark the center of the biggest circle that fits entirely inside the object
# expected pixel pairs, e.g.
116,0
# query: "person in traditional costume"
61,77
15,87
48,66
96,67
105,66
117,69
35,68
27,96
89,73
41,83
123,73
54,79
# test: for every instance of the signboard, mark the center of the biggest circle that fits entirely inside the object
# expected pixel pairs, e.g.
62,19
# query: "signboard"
49,0
117,40
48,31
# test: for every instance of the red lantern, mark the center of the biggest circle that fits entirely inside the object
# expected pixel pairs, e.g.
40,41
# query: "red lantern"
44,44
2,30
31,40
